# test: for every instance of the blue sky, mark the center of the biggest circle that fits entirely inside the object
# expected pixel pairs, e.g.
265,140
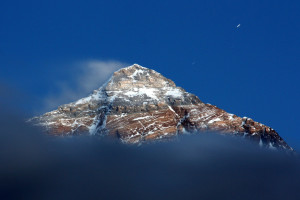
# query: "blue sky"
46,48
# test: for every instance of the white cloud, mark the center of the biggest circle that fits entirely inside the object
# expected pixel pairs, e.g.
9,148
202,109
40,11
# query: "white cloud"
88,76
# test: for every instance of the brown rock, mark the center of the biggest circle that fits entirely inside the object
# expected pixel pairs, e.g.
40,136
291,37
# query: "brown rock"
139,105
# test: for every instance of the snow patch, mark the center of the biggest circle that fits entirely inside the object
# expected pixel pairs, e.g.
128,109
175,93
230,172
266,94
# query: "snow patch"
93,127
96,96
174,92
231,117
137,73
139,118
214,120
173,110
150,92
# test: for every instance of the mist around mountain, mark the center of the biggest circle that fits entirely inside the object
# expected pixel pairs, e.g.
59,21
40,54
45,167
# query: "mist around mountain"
203,166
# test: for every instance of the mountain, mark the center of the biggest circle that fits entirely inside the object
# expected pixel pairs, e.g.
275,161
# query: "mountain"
138,104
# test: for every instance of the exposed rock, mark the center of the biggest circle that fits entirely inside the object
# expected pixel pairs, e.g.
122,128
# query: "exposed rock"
138,104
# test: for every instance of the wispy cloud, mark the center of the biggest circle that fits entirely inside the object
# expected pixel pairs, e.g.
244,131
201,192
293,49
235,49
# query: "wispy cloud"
90,75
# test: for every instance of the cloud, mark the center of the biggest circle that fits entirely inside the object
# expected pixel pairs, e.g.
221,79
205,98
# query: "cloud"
196,166
88,76
200,166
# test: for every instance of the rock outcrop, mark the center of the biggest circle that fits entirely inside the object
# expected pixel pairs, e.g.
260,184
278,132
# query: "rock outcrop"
138,104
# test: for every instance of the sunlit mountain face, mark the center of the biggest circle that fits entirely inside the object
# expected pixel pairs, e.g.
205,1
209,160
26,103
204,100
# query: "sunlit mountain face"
138,105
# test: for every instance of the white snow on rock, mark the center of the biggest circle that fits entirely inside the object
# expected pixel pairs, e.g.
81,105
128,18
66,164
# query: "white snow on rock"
150,92
174,92
137,73
96,96
214,120
139,118
93,127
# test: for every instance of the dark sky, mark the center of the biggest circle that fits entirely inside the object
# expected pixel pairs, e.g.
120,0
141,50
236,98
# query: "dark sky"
251,69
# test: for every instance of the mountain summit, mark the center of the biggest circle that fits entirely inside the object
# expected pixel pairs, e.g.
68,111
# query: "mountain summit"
138,104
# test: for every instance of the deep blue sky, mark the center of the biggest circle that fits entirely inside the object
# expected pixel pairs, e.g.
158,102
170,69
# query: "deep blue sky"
250,71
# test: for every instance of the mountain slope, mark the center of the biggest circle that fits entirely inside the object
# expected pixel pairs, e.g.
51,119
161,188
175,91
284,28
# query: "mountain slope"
138,104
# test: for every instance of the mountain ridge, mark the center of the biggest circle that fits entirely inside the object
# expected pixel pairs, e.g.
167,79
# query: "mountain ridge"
138,104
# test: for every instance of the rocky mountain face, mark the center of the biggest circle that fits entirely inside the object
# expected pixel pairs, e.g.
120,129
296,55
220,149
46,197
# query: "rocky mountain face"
138,104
